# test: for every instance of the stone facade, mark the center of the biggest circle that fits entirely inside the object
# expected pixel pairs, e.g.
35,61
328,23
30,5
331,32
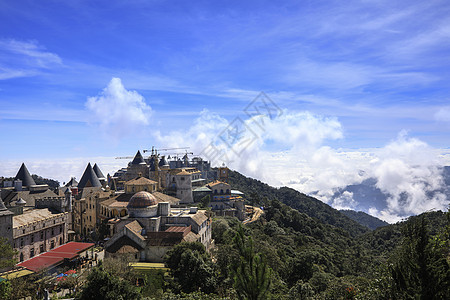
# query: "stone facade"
38,231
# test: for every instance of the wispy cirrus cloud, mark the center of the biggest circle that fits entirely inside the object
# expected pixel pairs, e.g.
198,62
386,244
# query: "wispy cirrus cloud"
25,58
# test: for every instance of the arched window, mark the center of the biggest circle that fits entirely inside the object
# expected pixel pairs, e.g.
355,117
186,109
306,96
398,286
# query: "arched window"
60,241
32,252
21,256
221,191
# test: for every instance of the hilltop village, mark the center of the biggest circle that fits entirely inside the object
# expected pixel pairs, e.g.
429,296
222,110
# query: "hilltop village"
142,210
175,228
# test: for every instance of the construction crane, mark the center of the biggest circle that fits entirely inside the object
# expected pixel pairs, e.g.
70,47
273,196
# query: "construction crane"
155,151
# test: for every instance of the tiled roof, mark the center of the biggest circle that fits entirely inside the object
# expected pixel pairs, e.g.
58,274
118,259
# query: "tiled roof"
166,198
140,181
29,197
56,256
199,217
32,216
214,183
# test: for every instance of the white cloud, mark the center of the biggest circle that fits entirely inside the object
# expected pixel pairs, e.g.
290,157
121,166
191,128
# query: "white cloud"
118,111
345,201
408,171
290,150
25,58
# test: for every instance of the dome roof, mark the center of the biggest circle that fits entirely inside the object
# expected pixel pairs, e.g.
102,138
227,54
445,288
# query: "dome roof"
142,200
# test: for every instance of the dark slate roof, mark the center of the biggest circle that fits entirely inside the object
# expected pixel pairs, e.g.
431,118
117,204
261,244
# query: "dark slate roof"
138,159
89,178
2,205
25,176
72,182
30,197
3,210
98,172
163,161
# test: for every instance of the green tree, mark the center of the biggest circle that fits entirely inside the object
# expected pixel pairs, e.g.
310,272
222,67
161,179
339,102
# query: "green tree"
192,267
252,275
418,269
102,285
5,289
7,254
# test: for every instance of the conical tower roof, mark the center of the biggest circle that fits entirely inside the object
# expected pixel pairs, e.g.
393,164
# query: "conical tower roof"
98,172
89,178
138,159
163,161
25,176
72,182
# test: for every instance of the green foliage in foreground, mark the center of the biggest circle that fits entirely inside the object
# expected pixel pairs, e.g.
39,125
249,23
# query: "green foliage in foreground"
251,275
102,285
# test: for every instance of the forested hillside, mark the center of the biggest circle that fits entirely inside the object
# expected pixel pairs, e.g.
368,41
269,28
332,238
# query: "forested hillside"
256,191
364,219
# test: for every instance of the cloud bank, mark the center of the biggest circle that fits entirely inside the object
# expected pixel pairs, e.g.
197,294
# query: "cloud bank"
290,150
117,111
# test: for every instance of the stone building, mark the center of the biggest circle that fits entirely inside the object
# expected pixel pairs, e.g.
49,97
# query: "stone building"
222,199
35,231
153,228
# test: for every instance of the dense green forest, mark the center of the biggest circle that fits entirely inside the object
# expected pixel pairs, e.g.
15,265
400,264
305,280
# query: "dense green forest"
364,219
256,191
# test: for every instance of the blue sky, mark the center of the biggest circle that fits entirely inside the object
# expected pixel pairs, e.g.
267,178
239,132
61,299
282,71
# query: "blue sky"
366,72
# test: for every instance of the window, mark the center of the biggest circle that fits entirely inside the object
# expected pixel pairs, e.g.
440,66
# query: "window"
23,231
54,221
32,238
34,228
60,241
41,248
53,232
32,252
52,244
21,256
60,229
21,242
182,178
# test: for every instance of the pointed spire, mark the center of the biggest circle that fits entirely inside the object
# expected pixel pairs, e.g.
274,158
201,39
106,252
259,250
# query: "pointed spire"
72,182
89,178
112,184
163,162
98,172
138,159
25,176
